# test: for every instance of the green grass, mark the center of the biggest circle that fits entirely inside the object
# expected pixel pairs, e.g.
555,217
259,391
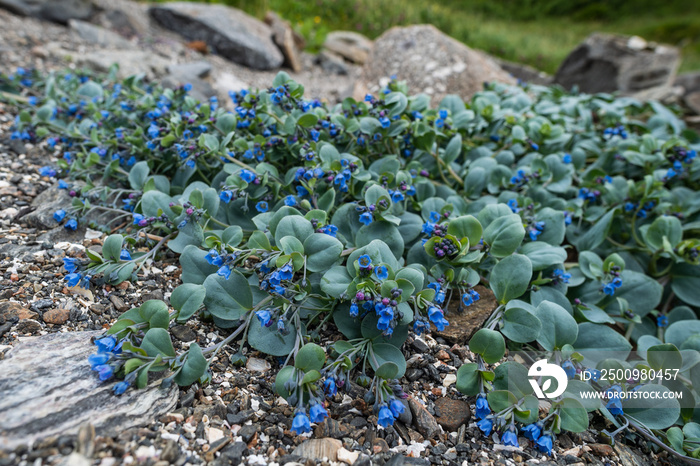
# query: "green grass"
539,33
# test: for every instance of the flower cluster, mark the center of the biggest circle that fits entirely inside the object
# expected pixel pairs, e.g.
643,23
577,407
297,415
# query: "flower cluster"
105,364
615,281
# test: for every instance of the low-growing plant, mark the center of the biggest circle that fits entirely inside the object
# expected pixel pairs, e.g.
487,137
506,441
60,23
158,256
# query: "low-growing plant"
579,212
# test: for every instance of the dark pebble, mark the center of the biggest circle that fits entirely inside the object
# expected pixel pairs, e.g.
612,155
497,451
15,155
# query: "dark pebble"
247,432
420,346
235,452
241,417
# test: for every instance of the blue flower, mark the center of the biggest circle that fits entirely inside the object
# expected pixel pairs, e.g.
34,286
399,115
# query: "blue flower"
385,122
381,272
396,407
534,233
105,371
73,279
662,321
385,417
615,406
226,196
671,173
247,176
397,196
428,228
354,310
330,387
513,204
124,255
437,317
98,359
569,368
314,135
486,426
561,276
290,201
224,271
105,344
566,159
301,424
544,444
70,264
59,215
318,413
262,206
71,224
467,299
120,387
47,171
366,218
368,98
264,317
214,258
532,431
482,407
510,438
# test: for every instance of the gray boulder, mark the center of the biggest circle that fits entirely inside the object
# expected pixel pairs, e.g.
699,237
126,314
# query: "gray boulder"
190,73
130,62
608,63
59,11
430,62
350,45
228,31
47,389
98,35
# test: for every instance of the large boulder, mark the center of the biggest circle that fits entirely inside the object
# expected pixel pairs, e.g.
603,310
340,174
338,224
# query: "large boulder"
59,11
229,32
350,45
430,62
47,389
608,63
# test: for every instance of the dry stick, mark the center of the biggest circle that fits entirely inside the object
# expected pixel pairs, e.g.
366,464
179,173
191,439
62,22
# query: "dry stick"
11,96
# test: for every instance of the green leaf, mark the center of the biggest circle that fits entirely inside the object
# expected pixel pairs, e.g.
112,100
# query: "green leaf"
642,292
685,282
466,226
677,333
510,277
576,388
591,237
311,377
664,226
187,299
90,90
347,325
504,235
112,247
295,226
387,371
269,340
335,281
520,325
574,417
228,299
138,175
190,234
543,255
501,399
598,342
157,341
489,344
675,438
558,326
232,236
322,252
155,312
307,120
453,149
654,413
195,268
290,244
310,357
385,352
512,376
195,366
664,356
528,411
468,378
415,276
282,377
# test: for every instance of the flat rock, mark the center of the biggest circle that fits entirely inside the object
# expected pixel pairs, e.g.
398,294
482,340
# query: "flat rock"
350,45
286,39
56,316
46,203
451,414
464,323
690,82
319,448
125,17
331,62
47,389
98,35
130,62
257,365
608,63
59,11
430,62
228,31
195,69
423,420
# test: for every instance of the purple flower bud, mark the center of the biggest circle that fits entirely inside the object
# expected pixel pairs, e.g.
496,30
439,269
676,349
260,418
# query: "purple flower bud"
190,211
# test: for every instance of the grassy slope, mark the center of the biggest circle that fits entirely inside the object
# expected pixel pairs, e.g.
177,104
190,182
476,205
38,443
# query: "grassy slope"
536,32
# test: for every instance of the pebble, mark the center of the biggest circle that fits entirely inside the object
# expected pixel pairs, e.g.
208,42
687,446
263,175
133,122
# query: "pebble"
258,365
347,456
449,380
56,316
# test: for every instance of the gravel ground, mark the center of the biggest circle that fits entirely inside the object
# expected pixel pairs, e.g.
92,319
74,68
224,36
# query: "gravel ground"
237,419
